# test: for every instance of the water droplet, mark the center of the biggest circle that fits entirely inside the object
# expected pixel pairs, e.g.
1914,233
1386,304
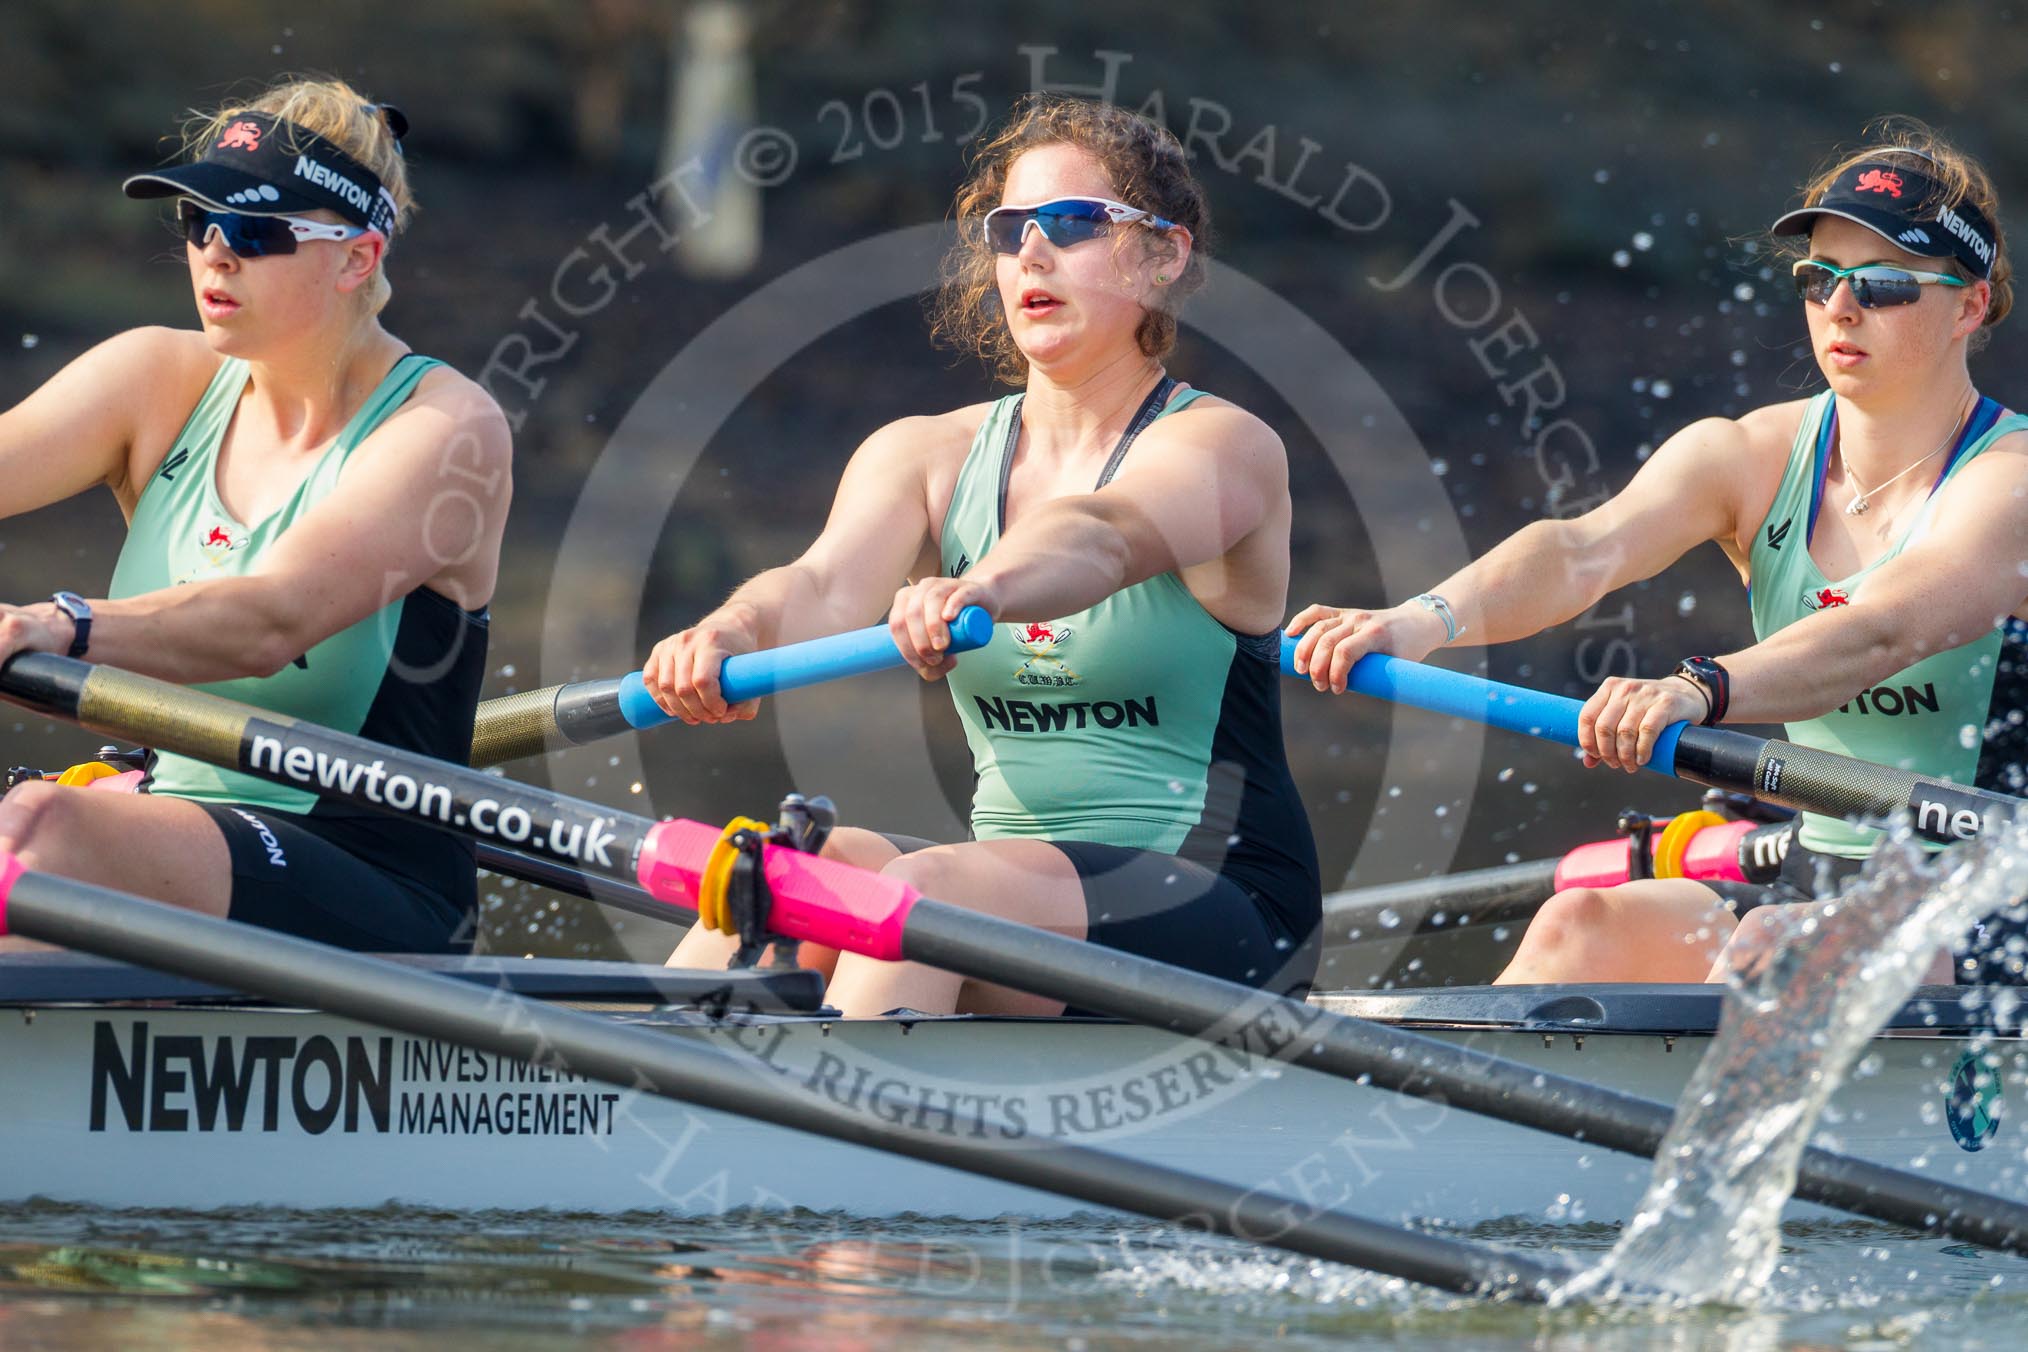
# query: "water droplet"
1686,603
1439,467
1662,389
1621,258
29,340
1528,787
1500,933
1175,786
1644,241
1389,918
1505,774
1836,67
1968,736
1601,175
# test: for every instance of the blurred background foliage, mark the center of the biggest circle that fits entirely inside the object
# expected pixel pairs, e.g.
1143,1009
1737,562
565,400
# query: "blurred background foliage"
1617,159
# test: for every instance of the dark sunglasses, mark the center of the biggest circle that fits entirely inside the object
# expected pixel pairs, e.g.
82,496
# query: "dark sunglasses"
255,236
1874,285
1064,222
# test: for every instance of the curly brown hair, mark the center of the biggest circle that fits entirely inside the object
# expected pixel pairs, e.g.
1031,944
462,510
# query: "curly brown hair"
1147,168
1910,143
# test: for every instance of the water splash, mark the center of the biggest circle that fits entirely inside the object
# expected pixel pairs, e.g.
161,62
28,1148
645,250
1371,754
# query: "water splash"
1709,1227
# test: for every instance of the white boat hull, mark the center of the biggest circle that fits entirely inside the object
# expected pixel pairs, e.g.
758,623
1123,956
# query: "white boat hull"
184,1106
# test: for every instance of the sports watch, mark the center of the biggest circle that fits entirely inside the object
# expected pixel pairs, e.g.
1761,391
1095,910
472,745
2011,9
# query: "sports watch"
1717,685
80,612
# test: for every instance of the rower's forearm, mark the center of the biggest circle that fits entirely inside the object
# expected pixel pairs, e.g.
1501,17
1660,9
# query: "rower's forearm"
1541,576
1810,668
785,605
1061,561
218,630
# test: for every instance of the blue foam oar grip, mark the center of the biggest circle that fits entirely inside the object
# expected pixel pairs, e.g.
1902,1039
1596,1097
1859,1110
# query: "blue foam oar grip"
1511,708
795,665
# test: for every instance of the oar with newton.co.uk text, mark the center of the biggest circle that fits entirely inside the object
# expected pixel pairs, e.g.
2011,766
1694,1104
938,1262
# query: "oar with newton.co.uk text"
834,904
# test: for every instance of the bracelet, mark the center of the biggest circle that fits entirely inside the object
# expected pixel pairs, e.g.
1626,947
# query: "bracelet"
1702,693
1440,608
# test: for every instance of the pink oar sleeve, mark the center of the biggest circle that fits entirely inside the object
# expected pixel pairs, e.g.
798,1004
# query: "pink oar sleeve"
10,870
816,899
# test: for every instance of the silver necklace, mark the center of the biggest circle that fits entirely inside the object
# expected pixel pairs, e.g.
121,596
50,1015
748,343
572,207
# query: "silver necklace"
1860,503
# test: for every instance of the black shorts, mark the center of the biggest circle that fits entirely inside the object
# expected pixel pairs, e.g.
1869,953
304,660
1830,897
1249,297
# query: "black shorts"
287,877
1994,953
1165,907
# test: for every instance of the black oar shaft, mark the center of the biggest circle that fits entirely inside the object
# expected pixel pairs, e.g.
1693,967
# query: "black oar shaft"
1809,780
1085,976
297,972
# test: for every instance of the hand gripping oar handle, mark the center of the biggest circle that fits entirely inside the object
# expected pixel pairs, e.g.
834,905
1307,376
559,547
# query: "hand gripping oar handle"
585,711
1773,771
752,675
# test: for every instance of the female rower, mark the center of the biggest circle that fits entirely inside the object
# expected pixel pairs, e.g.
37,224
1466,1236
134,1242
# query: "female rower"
1130,535
314,519
1880,526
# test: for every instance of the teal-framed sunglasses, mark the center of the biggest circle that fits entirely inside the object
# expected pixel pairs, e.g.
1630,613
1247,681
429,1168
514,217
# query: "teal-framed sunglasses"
1874,285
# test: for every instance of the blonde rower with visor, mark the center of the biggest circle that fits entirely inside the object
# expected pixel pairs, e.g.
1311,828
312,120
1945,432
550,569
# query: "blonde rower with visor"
314,515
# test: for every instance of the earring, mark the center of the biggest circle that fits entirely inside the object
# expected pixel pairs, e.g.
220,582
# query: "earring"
1161,276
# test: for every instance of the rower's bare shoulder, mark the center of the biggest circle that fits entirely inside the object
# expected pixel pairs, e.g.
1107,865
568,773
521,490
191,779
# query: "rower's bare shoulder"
2010,446
1224,429
448,429
925,440
168,366
1995,480
477,422
1770,430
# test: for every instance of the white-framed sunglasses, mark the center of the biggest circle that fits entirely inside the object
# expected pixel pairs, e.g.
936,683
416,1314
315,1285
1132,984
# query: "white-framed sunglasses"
256,236
1065,221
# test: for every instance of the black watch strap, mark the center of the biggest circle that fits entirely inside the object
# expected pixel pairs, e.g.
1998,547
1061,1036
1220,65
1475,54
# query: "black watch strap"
1715,681
80,612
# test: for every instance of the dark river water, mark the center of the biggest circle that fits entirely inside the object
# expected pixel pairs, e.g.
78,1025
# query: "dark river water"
86,1278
